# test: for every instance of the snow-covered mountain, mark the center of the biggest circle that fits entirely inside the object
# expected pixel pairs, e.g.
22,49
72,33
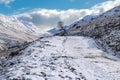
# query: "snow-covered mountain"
12,31
82,54
104,28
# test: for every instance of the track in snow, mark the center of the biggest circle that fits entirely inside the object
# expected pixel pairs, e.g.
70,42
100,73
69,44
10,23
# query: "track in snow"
61,58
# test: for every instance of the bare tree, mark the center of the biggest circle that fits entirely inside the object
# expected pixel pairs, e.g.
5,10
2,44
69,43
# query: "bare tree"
60,25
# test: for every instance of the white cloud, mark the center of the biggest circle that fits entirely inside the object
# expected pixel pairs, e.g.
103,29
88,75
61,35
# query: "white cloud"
6,1
106,5
46,19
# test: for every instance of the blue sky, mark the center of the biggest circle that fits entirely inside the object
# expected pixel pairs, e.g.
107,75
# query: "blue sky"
15,6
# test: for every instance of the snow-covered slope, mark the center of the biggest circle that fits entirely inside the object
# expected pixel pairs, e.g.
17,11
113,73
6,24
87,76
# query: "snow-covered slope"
28,24
61,58
12,30
105,28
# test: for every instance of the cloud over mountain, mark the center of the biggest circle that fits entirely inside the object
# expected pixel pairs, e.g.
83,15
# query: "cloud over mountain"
46,19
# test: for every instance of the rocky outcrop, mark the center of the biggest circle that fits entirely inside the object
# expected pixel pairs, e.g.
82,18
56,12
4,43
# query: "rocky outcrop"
14,50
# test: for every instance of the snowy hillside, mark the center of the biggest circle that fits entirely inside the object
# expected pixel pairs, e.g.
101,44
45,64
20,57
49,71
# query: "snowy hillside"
77,52
60,58
13,31
104,28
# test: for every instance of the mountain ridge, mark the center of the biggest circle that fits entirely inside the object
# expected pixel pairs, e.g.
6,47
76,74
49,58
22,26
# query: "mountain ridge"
70,54
105,28
13,32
